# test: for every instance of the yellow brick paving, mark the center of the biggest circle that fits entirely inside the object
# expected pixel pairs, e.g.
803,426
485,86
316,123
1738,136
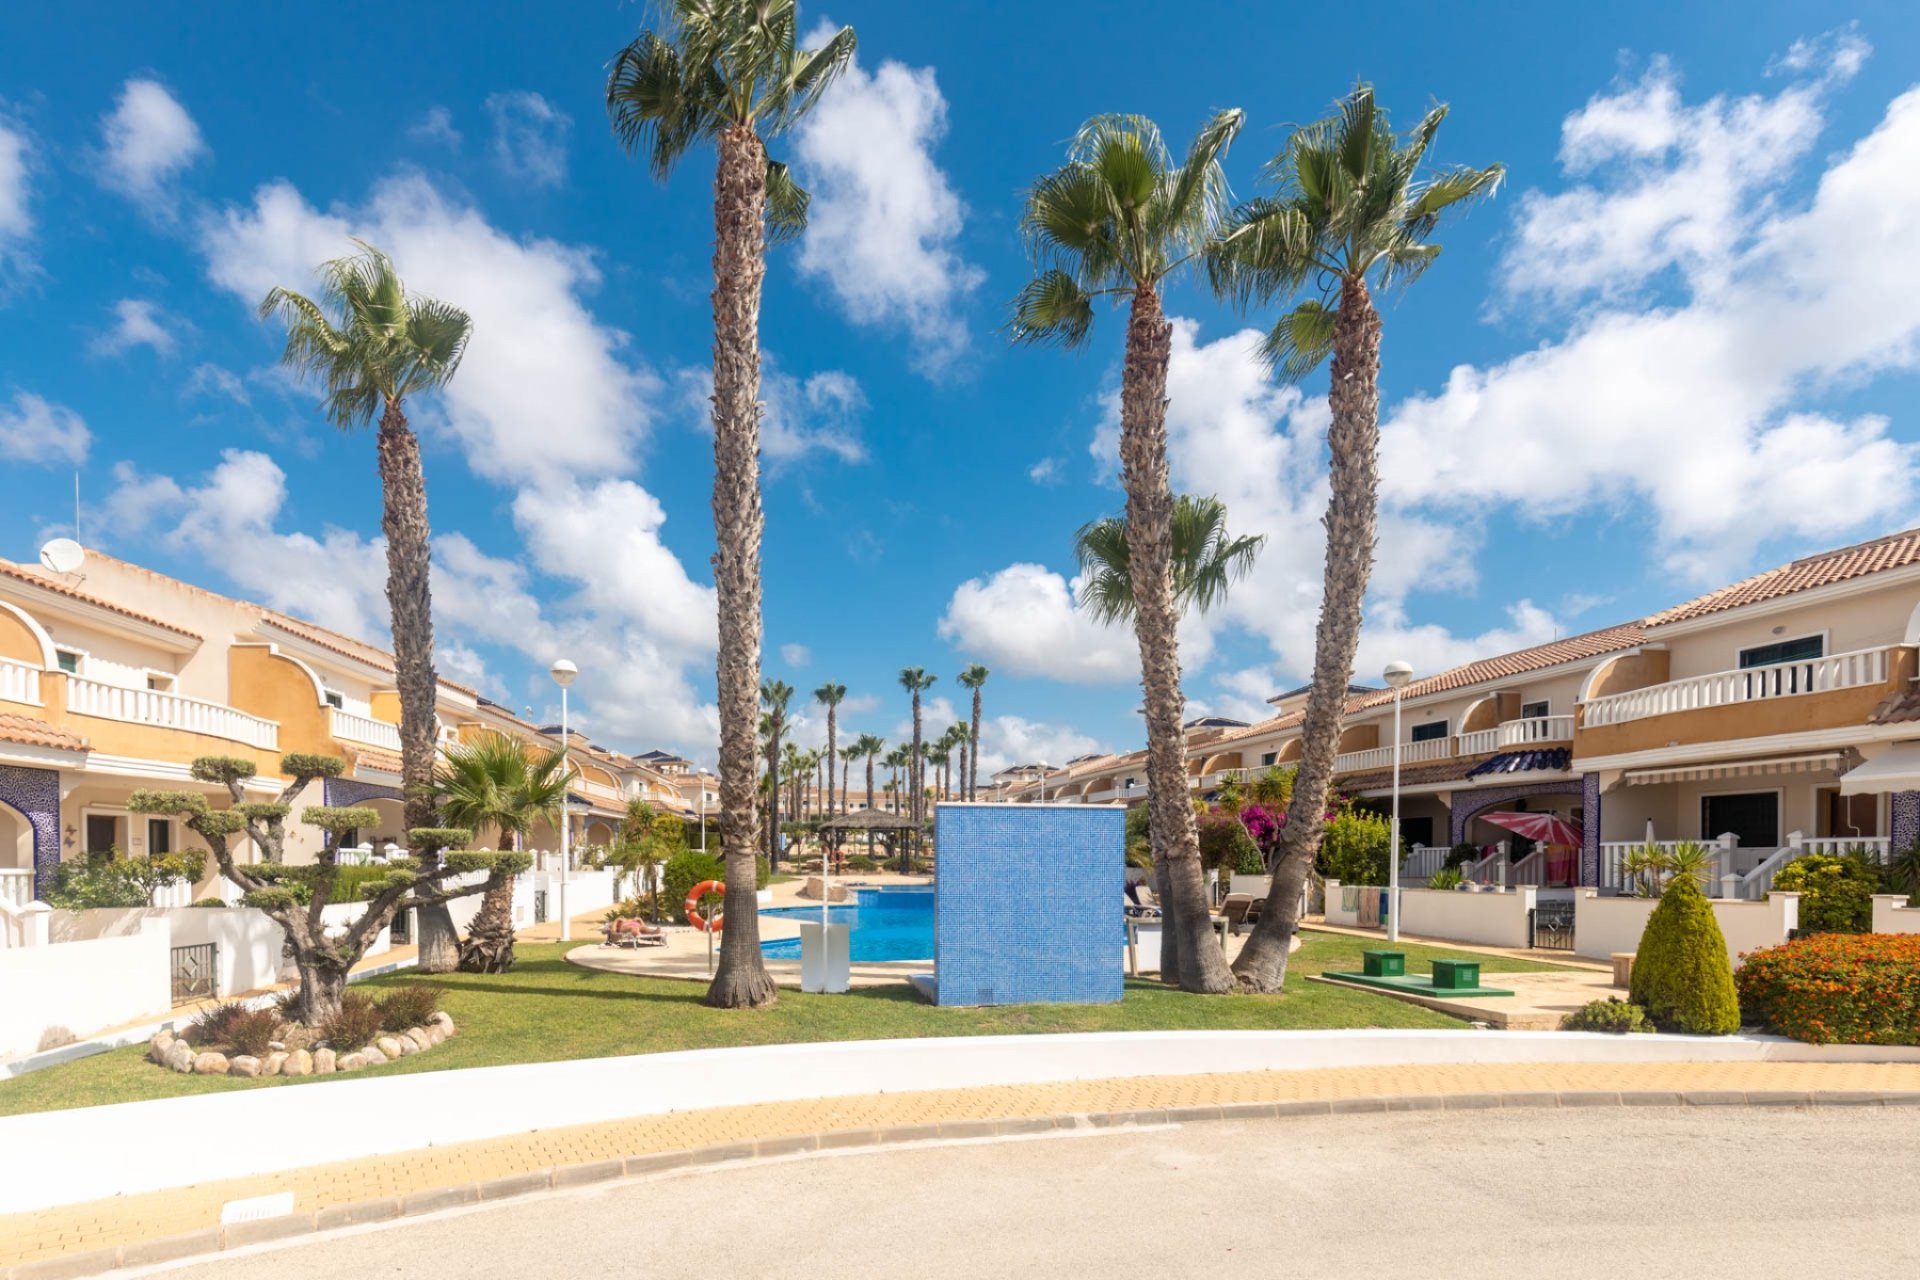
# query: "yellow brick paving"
106,1223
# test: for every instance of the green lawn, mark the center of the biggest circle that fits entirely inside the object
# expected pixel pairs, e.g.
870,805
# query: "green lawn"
547,1009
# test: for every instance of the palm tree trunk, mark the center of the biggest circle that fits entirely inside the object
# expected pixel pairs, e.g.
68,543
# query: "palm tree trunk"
833,728
403,488
914,765
1143,460
973,778
1354,440
773,790
489,944
739,265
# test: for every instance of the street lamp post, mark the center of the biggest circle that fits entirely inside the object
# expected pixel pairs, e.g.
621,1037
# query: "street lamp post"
564,673
1398,674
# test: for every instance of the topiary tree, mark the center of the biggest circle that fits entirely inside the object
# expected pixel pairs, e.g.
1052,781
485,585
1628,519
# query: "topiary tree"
296,903
1681,974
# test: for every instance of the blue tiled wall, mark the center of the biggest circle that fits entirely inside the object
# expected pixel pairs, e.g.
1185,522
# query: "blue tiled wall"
1026,906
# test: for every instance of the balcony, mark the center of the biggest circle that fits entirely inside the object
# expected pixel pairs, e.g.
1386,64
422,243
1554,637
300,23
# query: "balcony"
1382,757
1517,734
1863,668
368,732
169,711
19,683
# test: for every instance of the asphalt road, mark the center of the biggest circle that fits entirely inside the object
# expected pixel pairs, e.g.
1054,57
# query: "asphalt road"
1547,1195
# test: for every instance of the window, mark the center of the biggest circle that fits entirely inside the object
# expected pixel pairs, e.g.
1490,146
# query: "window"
1416,831
1754,817
103,833
1768,655
159,837
159,682
334,700
69,660
1534,711
1269,757
1428,732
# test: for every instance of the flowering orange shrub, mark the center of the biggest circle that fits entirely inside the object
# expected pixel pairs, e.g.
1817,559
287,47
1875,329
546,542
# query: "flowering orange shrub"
1836,988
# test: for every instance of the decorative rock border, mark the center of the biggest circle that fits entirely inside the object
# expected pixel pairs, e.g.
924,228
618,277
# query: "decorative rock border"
173,1052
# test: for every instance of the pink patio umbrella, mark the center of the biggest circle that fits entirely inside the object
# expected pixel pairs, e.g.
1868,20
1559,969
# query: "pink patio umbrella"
1560,836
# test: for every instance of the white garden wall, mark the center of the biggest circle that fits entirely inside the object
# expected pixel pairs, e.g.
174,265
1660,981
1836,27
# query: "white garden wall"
54,995
248,942
1605,926
1489,919
1891,914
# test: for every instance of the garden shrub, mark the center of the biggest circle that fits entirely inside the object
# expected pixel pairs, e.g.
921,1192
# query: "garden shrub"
287,1004
404,1008
762,872
1225,843
1836,891
630,909
685,870
1612,1015
350,883
210,1024
1463,853
358,1021
1681,974
1836,988
252,1031
210,902
1354,849
105,879
861,862
1446,878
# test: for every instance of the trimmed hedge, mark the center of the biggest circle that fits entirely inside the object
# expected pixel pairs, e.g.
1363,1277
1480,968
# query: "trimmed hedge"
1836,891
1612,1015
1681,974
1836,988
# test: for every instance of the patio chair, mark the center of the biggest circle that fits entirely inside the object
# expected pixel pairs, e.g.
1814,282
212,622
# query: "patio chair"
1240,909
1140,903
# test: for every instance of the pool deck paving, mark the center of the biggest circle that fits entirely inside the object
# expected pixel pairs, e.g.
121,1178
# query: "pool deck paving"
86,1239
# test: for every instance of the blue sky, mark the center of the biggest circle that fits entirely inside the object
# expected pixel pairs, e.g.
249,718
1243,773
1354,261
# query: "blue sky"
1679,345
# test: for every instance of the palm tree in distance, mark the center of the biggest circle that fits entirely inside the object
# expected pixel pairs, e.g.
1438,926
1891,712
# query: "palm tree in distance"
1119,220
1206,559
1351,205
370,344
775,695
972,678
830,696
728,71
498,783
915,681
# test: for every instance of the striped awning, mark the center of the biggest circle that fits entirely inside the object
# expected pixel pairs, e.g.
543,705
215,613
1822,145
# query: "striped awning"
1818,763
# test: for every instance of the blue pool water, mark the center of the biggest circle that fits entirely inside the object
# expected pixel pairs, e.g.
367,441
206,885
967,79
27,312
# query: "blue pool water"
888,924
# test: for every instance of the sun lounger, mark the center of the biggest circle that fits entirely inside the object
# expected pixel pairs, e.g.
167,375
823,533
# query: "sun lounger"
634,933
1241,909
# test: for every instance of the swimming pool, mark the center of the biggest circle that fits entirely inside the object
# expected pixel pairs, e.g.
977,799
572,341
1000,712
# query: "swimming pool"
887,924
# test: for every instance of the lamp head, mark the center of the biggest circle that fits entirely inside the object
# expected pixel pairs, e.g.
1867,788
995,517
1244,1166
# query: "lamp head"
564,673
1398,675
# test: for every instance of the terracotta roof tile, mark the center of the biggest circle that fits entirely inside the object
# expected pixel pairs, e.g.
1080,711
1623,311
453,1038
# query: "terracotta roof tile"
23,574
38,733
1897,708
337,642
1895,551
376,759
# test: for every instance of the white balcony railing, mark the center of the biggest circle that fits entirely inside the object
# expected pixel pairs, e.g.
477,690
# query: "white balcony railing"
169,711
1853,670
19,683
1382,757
348,727
1530,732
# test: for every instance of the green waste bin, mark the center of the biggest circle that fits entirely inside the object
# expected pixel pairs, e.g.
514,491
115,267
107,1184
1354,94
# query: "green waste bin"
1456,975
1384,964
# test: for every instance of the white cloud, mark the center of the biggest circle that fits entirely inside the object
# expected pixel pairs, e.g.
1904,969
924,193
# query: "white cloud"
529,138
37,431
1009,740
796,655
137,323
436,126
148,139
213,379
16,218
1045,471
885,218
1837,55
538,357
818,414
1025,619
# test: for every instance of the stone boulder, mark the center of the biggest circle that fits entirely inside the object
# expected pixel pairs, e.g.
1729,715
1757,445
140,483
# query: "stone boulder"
180,1057
372,1056
298,1063
389,1046
323,1062
436,1036
351,1061
443,1020
160,1046
273,1062
419,1038
210,1064
244,1065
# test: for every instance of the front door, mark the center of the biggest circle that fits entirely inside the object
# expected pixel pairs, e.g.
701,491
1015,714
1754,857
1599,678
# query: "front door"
103,833
1848,816
1753,816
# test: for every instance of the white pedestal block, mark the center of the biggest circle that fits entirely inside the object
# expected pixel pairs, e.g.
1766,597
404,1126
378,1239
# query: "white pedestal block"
825,960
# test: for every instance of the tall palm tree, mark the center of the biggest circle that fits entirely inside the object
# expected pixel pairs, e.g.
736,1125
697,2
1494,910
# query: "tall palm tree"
729,71
1352,211
774,695
972,678
1119,220
1207,559
915,681
371,344
869,746
498,783
830,696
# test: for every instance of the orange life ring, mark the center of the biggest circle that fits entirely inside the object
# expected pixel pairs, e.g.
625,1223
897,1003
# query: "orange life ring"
694,917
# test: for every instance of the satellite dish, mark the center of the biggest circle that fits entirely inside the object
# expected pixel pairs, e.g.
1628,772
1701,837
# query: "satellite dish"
62,555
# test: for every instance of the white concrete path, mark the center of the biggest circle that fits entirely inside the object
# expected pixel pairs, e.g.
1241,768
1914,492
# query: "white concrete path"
134,1147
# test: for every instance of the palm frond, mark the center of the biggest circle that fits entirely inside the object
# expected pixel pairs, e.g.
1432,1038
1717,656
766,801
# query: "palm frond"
1199,194
808,75
1052,308
787,204
658,104
1300,340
